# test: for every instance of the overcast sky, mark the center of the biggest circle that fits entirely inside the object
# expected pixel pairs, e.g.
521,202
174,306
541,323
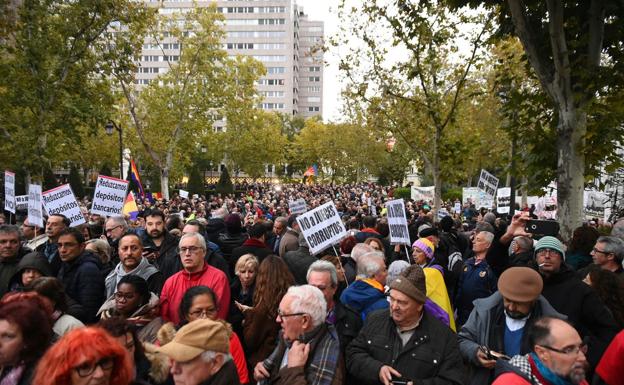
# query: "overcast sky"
320,10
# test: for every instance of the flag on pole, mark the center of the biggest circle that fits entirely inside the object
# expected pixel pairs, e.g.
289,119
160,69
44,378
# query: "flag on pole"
311,171
130,206
134,174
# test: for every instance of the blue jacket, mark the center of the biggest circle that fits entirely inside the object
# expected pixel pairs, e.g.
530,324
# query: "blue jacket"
476,281
364,298
84,282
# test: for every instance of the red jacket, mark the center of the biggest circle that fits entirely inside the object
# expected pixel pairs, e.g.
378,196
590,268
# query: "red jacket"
176,285
611,366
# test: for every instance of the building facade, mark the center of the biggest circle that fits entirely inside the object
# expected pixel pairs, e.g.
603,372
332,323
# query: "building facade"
275,32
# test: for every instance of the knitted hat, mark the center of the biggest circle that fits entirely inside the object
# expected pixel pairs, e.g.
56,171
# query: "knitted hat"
520,284
195,338
426,246
552,243
412,283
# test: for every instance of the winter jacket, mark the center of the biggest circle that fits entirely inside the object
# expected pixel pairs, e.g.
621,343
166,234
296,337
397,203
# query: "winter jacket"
486,327
214,227
348,324
144,269
225,376
228,242
366,233
84,283
32,260
179,283
235,318
476,281
260,335
584,309
251,246
431,356
364,298
298,262
288,242
145,318
520,370
609,370
168,258
8,267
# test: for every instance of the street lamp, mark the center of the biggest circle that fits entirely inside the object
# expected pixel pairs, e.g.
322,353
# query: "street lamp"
109,131
204,150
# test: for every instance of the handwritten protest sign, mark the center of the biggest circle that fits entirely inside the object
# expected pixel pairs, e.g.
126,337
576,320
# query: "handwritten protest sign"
61,200
109,196
421,193
35,212
488,183
298,206
9,191
21,202
397,221
184,194
503,200
321,227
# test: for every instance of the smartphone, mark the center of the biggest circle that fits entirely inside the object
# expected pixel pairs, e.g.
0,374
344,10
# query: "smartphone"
149,249
398,382
542,227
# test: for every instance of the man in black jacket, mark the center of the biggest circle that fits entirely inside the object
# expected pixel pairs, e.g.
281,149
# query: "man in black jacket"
404,342
11,252
80,274
161,247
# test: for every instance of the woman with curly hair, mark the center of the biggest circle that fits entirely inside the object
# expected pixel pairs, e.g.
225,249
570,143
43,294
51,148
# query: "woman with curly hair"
26,332
583,240
83,356
260,328
610,289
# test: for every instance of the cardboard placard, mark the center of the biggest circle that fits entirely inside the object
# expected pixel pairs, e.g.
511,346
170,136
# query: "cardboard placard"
61,200
109,196
322,227
397,222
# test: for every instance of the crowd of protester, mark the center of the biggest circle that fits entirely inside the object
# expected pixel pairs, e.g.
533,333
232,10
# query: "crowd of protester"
225,290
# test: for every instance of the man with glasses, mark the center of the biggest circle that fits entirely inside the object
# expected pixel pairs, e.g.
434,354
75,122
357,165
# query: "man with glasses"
308,351
55,224
608,253
131,261
114,229
34,237
565,291
557,357
81,275
195,271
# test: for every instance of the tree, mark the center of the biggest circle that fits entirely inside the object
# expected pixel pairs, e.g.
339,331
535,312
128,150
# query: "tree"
76,182
428,86
176,111
224,185
195,182
575,51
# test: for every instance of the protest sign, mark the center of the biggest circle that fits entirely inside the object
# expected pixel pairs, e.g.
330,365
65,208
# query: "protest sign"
470,195
35,213
184,194
21,202
488,183
9,191
503,200
457,207
397,222
298,206
321,227
443,212
61,200
423,193
594,204
373,210
109,196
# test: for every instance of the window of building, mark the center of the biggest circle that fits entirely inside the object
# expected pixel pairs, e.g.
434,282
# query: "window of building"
314,109
314,79
275,70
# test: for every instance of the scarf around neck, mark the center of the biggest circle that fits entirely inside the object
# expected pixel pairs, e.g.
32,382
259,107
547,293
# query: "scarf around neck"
548,374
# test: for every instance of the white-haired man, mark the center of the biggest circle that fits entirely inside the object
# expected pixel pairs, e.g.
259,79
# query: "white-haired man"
308,351
367,293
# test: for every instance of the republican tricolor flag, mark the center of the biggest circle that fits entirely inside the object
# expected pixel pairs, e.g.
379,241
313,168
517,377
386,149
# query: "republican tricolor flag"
311,171
134,174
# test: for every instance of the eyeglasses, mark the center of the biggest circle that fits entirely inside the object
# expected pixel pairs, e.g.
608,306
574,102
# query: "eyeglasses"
595,250
282,315
543,252
192,249
123,296
88,368
574,350
201,313
113,228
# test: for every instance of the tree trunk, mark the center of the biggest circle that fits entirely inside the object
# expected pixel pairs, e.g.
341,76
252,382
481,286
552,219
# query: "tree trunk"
437,181
572,127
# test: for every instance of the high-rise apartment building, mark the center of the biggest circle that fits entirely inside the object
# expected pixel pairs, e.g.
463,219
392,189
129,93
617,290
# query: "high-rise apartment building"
275,32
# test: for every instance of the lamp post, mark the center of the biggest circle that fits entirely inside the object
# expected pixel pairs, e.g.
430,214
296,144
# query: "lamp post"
109,131
204,150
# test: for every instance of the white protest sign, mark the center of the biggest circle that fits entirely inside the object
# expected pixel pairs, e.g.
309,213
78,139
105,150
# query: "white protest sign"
594,204
109,196
184,194
423,193
503,200
373,210
457,207
21,202
470,195
9,191
35,213
322,227
443,212
488,183
298,206
61,200
397,222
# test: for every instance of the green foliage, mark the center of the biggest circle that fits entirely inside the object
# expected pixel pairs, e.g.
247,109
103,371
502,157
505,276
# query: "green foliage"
403,192
106,170
224,186
49,180
452,194
75,181
195,182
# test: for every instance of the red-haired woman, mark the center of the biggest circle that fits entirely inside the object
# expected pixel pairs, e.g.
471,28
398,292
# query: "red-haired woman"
84,356
25,332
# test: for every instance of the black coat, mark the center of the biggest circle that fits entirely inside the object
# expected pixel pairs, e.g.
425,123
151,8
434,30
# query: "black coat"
584,309
84,282
168,259
298,262
251,246
8,268
227,243
431,356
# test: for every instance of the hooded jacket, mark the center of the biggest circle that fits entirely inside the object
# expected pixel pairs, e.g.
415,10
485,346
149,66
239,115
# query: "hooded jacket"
84,283
8,267
364,298
32,260
145,270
